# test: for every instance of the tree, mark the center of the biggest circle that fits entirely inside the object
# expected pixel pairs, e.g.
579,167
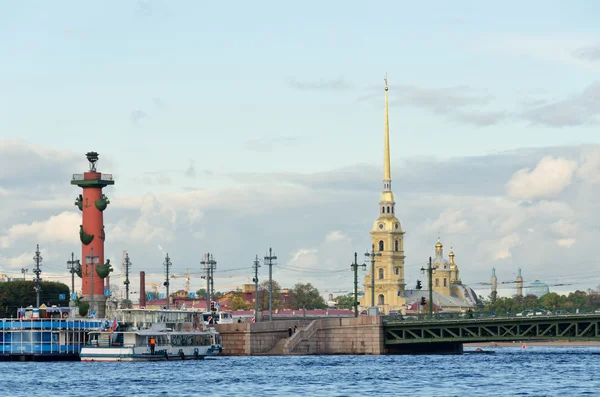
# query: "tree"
201,293
550,301
126,304
305,296
237,302
344,302
263,295
16,294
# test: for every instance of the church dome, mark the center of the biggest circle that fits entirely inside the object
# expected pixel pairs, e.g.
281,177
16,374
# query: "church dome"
538,288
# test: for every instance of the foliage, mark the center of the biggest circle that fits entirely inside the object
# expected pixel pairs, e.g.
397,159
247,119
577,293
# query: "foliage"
84,308
237,302
126,304
344,302
263,295
201,293
582,300
15,294
305,296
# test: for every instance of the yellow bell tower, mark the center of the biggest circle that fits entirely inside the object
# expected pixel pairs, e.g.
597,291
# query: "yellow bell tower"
388,238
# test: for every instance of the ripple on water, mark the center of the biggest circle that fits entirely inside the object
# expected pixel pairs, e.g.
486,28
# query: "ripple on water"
511,371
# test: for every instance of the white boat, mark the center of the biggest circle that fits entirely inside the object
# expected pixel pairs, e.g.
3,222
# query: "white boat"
178,335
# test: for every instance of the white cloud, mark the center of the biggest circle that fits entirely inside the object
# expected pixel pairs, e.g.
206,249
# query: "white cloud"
589,171
564,228
566,242
449,222
549,178
505,245
336,236
58,228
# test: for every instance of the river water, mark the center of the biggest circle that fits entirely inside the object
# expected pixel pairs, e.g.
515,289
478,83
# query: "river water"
511,371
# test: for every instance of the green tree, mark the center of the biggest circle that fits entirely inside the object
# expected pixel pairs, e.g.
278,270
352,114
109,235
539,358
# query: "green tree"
126,304
305,296
263,295
237,302
550,301
15,294
201,293
344,302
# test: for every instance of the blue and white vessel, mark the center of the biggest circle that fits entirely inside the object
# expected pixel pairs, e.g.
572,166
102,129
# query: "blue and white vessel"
44,334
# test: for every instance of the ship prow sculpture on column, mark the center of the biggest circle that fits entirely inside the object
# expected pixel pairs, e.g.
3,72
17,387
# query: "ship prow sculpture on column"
92,203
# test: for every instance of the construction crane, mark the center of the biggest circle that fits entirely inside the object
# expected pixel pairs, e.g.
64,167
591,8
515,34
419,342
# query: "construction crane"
155,288
187,279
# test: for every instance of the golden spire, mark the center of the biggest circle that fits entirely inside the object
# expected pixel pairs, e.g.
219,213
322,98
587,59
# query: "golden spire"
387,175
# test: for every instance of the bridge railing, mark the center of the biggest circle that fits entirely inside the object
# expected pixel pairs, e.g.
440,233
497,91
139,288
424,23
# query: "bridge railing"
437,317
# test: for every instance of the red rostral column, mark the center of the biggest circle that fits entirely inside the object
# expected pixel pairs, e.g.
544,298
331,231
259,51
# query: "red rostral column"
92,203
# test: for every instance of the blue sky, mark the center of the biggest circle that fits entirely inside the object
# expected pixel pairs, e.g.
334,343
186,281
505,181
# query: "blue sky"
259,88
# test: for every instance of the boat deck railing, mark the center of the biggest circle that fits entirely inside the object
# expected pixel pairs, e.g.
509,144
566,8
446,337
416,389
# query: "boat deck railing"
44,336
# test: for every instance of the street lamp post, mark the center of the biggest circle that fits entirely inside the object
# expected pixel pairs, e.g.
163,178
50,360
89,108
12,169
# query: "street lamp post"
73,266
270,263
38,281
373,310
256,265
91,260
209,265
430,271
127,265
24,271
354,267
167,266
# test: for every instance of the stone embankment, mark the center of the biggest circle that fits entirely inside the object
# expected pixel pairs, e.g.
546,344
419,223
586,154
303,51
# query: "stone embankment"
361,335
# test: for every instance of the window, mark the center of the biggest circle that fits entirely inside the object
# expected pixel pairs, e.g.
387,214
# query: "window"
381,300
380,245
396,270
437,282
396,245
444,281
388,209
382,210
380,273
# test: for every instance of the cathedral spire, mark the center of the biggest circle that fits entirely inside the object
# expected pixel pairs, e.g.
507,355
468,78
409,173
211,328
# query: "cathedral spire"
387,174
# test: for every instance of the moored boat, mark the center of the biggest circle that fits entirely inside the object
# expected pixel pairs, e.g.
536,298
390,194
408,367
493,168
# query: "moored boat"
152,335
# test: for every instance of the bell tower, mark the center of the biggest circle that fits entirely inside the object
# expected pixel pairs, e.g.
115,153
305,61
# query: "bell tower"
388,238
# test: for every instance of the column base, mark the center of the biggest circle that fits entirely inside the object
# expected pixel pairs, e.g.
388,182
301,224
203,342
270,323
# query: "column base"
99,305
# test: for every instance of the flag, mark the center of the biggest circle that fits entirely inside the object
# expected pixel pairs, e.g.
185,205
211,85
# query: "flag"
115,323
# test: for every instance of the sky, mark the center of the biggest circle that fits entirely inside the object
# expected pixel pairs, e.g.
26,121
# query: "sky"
234,128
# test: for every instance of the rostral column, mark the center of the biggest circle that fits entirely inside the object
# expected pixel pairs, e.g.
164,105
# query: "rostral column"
92,203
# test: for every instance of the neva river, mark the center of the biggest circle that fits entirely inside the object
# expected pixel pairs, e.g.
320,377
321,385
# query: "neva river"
534,371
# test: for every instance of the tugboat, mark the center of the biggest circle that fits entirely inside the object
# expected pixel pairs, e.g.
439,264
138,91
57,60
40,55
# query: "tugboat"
152,335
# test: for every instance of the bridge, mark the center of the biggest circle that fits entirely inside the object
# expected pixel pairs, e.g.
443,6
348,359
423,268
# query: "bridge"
447,336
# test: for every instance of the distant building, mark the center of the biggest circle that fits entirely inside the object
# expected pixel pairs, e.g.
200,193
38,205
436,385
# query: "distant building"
449,293
538,288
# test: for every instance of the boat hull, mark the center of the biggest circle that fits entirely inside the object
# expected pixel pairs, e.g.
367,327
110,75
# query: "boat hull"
166,353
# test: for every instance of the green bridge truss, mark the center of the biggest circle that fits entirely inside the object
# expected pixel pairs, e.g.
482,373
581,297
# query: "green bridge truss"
571,327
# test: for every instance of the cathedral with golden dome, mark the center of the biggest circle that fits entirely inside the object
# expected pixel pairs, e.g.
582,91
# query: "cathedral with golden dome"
387,238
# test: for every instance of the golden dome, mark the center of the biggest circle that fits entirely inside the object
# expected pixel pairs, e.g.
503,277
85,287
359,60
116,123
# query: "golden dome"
439,244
